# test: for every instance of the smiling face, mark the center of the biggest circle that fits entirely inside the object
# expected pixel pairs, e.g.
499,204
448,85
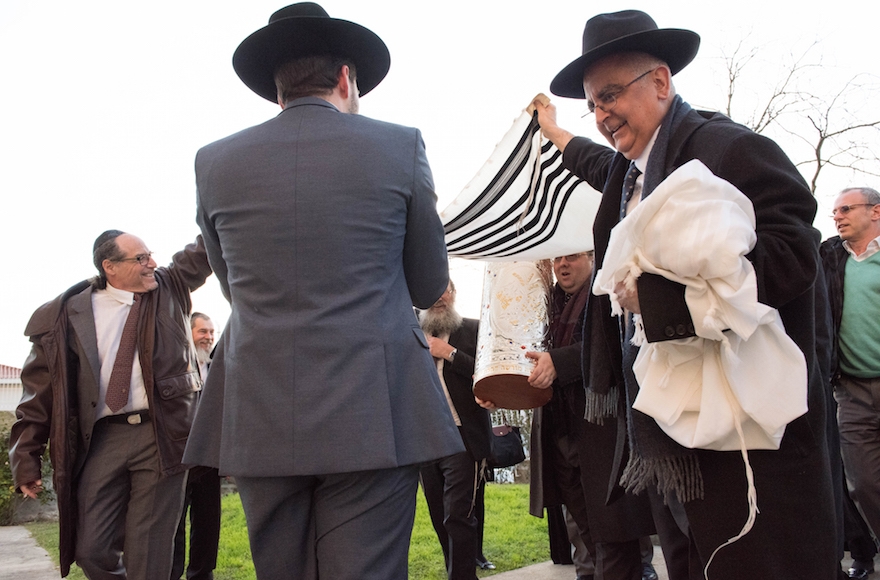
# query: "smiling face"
640,103
127,274
203,334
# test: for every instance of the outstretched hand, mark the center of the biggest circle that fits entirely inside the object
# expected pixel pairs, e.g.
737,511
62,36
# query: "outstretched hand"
544,372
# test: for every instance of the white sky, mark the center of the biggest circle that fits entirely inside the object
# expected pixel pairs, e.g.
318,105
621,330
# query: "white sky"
104,104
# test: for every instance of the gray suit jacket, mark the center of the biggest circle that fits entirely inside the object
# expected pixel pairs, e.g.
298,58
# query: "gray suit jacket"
323,230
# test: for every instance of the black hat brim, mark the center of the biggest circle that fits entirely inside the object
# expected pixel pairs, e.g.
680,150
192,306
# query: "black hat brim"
676,47
259,55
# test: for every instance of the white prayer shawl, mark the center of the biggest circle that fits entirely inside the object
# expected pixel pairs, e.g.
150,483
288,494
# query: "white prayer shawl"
522,204
742,379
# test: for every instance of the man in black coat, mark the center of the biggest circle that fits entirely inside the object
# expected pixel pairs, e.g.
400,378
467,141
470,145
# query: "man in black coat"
451,483
571,458
625,72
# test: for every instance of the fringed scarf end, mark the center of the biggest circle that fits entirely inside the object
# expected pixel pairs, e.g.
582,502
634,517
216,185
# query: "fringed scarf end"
600,406
679,475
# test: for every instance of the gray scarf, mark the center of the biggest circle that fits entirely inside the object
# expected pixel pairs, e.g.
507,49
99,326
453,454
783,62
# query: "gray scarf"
654,457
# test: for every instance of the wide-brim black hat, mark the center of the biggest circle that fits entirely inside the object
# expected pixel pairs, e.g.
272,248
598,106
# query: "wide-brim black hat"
305,29
625,31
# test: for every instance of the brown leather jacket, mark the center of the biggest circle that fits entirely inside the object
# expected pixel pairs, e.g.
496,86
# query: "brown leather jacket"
60,380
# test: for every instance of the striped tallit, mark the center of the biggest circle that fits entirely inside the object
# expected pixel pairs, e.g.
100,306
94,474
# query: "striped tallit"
522,204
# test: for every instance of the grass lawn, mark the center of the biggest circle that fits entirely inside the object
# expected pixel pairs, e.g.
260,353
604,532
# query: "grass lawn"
513,538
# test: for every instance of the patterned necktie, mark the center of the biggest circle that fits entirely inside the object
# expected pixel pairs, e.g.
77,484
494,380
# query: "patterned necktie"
629,185
120,378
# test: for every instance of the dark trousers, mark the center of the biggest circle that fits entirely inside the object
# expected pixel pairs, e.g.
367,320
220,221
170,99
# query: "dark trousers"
450,485
127,511
858,417
611,560
203,503
480,513
344,526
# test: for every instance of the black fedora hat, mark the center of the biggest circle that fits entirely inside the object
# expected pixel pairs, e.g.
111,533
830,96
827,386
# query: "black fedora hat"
305,29
625,31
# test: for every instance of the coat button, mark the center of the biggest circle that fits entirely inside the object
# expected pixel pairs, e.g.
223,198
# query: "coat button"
679,330
669,331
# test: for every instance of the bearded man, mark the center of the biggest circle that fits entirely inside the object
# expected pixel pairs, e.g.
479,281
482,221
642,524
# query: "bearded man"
452,484
202,487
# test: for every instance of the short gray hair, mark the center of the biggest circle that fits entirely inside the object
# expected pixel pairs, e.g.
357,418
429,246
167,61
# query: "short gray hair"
872,196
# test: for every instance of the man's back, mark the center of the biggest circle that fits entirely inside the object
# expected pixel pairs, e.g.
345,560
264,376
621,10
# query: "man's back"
323,231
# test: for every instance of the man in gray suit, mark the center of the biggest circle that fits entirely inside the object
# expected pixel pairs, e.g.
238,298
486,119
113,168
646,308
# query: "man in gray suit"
323,231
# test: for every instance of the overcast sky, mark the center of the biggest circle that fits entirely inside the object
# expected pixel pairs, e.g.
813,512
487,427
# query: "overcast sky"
105,103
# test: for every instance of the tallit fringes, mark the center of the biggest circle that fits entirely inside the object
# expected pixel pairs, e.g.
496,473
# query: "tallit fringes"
600,406
678,475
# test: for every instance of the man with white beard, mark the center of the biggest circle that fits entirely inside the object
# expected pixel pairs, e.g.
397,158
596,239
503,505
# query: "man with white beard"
202,487
452,483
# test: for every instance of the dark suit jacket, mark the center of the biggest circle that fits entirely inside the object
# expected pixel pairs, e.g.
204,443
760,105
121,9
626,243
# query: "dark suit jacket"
793,484
834,257
323,231
476,425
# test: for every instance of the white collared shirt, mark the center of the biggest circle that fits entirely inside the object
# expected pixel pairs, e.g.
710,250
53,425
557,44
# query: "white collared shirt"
110,307
642,163
872,248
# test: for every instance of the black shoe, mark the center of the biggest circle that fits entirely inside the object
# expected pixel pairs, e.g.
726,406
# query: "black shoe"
858,573
584,577
484,564
648,572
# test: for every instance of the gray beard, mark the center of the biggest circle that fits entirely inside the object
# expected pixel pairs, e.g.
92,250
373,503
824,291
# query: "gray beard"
203,356
439,324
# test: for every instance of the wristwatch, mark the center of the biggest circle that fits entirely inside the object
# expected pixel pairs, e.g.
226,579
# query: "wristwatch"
452,354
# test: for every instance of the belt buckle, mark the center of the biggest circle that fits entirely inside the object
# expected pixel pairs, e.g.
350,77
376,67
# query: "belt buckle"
134,419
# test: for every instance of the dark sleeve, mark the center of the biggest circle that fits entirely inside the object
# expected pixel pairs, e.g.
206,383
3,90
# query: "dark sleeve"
190,266
665,315
30,432
785,256
567,362
466,346
424,248
588,160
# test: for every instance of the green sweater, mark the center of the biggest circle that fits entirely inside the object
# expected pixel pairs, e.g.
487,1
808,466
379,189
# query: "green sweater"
860,322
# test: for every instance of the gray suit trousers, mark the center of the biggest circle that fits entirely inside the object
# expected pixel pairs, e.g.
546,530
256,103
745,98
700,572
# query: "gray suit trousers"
345,526
858,416
127,512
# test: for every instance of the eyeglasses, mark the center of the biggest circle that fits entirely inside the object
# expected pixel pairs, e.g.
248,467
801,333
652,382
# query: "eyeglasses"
608,99
845,209
571,257
141,259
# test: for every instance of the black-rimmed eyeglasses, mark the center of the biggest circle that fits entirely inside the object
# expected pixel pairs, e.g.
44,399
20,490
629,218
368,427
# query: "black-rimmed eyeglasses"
141,259
608,99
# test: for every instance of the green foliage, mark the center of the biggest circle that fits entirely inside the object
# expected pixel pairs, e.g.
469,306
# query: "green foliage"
513,538
8,499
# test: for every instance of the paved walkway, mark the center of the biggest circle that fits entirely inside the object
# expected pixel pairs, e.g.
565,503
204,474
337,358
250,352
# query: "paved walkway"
549,571
22,559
